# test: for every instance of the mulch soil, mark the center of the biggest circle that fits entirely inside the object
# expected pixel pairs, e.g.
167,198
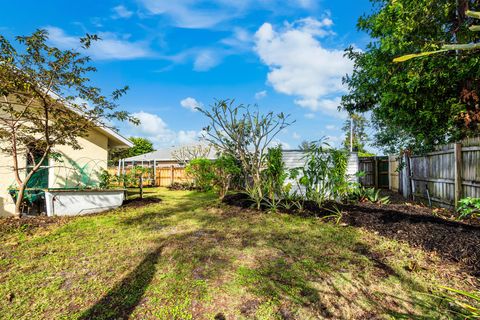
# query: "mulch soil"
414,224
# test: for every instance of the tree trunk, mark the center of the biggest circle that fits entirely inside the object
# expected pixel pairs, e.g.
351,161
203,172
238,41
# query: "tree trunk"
18,203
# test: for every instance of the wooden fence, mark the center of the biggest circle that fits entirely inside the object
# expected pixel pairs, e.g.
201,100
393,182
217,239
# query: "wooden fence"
161,176
444,176
393,174
376,171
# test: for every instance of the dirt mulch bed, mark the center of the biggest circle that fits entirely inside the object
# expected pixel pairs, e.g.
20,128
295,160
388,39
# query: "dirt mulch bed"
416,225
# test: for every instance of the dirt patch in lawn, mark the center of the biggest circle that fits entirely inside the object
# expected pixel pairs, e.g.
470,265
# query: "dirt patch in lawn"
28,224
416,225
137,202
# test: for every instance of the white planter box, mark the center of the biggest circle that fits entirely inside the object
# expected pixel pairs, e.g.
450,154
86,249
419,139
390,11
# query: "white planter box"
79,202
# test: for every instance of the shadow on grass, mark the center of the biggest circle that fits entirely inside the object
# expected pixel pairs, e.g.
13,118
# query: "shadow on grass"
122,299
294,262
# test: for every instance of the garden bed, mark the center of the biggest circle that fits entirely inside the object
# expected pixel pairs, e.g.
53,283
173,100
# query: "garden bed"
416,225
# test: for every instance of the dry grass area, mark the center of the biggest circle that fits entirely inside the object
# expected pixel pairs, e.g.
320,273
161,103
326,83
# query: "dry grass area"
188,257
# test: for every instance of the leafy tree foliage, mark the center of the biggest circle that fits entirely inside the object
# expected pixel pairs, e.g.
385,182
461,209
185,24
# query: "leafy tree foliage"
202,173
226,170
47,101
140,146
422,102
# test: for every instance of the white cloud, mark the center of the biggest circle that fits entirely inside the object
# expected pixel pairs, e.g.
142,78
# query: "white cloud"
334,141
296,136
202,14
154,128
193,13
111,47
187,137
300,66
206,60
331,127
260,95
122,12
240,40
283,144
191,104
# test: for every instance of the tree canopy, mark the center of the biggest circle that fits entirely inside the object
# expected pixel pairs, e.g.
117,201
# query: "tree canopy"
421,102
140,146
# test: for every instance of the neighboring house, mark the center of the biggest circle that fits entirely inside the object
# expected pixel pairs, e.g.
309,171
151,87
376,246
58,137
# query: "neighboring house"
75,170
160,158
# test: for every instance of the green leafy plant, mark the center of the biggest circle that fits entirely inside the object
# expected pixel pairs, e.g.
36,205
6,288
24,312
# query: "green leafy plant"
468,208
335,213
291,198
274,176
226,169
323,176
462,303
108,180
362,194
201,171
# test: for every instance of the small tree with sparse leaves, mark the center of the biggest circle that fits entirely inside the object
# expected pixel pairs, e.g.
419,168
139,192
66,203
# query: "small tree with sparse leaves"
47,101
245,133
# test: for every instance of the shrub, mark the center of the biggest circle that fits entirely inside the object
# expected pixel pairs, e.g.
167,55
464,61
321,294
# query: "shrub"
362,194
273,177
225,170
107,180
468,208
324,174
201,171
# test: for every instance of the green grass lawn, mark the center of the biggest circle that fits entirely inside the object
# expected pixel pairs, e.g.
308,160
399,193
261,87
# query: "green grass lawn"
188,257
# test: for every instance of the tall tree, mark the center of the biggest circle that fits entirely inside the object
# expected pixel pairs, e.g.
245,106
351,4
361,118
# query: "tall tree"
359,137
424,101
47,101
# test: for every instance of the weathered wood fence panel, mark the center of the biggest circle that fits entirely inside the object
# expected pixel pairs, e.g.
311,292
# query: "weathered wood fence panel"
367,166
393,174
444,176
376,171
161,176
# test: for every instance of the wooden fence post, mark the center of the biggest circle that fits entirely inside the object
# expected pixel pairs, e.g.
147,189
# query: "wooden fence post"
458,172
408,179
375,172
172,176
155,184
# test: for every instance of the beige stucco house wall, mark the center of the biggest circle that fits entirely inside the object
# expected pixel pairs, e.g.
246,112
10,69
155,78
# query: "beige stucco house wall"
76,168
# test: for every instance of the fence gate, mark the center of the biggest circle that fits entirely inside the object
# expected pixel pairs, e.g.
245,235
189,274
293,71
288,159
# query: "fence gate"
376,171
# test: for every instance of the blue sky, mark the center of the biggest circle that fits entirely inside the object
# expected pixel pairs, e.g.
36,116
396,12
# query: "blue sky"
286,56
